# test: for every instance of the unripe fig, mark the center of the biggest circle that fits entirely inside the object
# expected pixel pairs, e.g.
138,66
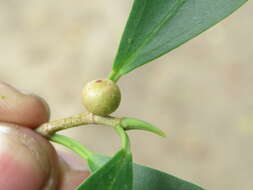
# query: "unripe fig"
101,97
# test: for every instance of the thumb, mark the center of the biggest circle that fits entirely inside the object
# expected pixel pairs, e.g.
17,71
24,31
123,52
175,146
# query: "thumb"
27,161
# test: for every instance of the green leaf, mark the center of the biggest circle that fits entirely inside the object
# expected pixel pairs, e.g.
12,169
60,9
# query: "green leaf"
156,27
119,173
107,174
151,179
148,178
115,174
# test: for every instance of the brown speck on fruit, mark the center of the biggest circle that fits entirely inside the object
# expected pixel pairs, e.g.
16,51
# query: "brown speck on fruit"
98,81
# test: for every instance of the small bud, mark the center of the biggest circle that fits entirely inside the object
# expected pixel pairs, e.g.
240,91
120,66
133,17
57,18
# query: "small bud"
101,97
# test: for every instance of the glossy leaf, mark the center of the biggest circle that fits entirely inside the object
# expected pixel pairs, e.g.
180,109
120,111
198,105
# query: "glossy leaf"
157,27
148,178
151,179
115,174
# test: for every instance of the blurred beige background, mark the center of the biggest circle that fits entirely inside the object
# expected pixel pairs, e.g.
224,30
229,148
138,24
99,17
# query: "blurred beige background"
200,94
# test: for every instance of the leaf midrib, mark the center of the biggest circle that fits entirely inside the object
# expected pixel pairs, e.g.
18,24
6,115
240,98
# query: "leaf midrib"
153,32
118,171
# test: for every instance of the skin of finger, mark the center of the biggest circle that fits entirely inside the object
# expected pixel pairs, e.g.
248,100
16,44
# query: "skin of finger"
24,109
73,172
31,110
27,160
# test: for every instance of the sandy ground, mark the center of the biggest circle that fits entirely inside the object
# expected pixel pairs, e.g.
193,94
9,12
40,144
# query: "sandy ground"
200,94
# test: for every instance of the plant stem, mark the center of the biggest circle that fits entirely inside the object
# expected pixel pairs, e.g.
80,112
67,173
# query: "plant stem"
50,128
85,118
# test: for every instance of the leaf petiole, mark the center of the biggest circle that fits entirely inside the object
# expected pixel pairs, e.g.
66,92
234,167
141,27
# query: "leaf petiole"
75,146
125,142
114,76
